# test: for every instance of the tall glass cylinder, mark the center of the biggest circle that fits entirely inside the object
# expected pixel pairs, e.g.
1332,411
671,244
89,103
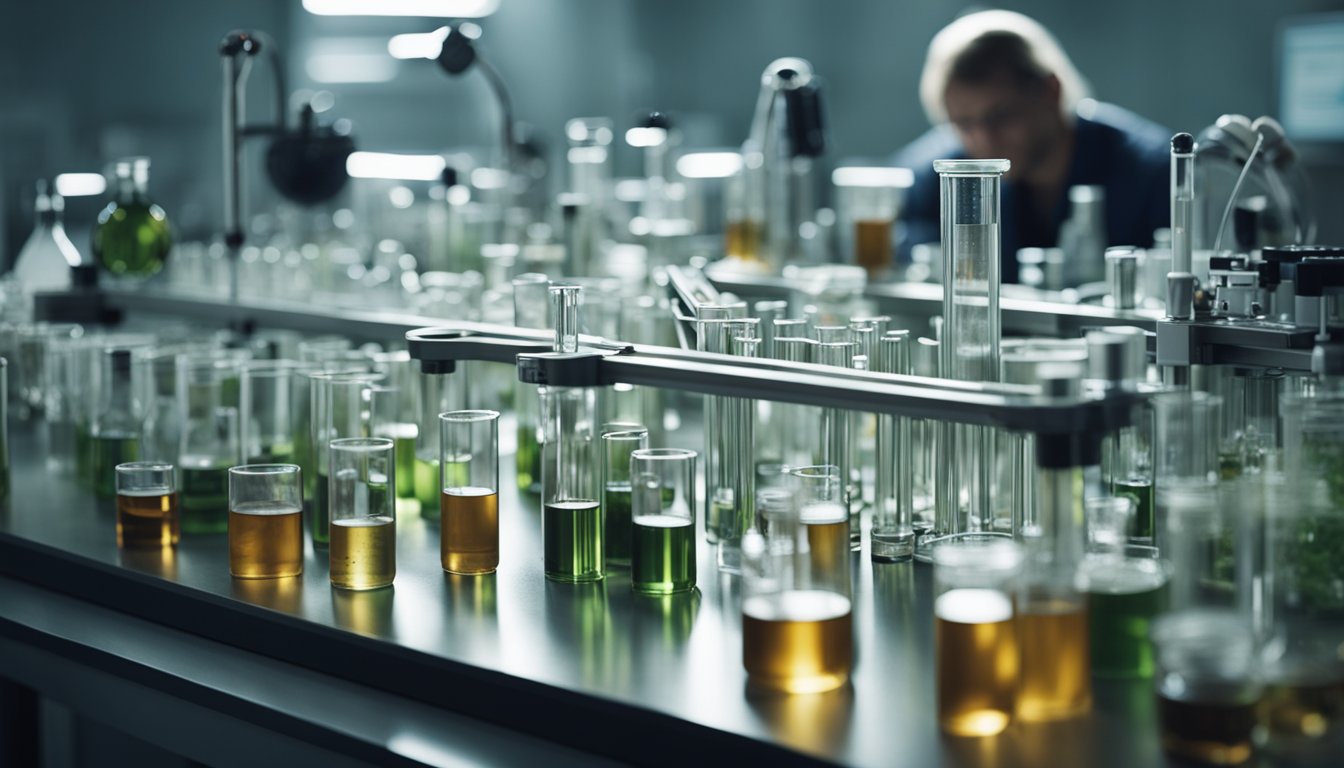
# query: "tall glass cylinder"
531,303
571,519
892,538
975,637
435,394
265,503
163,427
118,420
208,400
825,521
469,516
971,332
362,488
714,327
619,440
267,415
836,430
340,408
394,414
663,513
738,464
1126,588
928,436
799,425
797,630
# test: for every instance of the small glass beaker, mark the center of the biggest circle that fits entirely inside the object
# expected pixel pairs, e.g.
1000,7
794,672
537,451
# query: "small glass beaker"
797,628
662,555
619,440
267,424
975,637
363,537
147,514
265,521
469,517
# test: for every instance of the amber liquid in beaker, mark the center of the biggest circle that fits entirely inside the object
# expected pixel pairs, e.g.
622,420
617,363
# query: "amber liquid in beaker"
799,641
469,530
977,661
1056,664
363,552
147,519
1211,727
872,245
265,540
742,240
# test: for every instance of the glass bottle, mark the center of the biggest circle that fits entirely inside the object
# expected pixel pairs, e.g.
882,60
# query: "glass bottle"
797,631
47,255
132,237
118,420
571,519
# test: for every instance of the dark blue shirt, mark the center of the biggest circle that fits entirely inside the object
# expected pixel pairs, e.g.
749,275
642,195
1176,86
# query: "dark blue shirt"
1113,148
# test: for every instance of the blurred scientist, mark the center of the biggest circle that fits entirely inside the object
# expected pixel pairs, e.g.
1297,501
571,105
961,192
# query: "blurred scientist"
996,84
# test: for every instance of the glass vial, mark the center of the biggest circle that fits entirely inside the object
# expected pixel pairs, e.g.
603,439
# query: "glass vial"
362,488
663,520
469,497
265,521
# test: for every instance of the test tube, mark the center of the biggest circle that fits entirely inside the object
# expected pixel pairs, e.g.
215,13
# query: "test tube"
975,639
469,516
394,414
147,513
619,440
969,348
892,538
662,557
571,518
265,521
739,464
835,434
362,481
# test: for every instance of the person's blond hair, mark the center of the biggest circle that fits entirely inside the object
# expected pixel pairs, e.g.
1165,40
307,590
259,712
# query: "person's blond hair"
1013,44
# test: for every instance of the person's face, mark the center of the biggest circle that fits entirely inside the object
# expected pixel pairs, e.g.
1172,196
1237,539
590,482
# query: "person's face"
1005,119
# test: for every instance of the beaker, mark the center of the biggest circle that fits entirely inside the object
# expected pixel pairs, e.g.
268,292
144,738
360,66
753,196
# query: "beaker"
867,204
469,515
662,550
797,631
572,512
265,503
1126,587
118,419
340,408
975,638
362,488
435,394
267,419
619,440
147,513
208,405
531,303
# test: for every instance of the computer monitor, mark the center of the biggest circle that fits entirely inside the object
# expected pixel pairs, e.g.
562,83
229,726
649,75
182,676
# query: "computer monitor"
1311,77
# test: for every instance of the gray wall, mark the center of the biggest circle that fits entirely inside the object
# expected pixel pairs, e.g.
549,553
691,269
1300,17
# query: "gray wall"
84,82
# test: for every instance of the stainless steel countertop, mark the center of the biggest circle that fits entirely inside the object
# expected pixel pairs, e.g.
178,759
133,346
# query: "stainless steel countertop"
596,667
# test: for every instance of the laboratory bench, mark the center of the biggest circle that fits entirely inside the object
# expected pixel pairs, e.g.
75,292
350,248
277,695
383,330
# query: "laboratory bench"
459,670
